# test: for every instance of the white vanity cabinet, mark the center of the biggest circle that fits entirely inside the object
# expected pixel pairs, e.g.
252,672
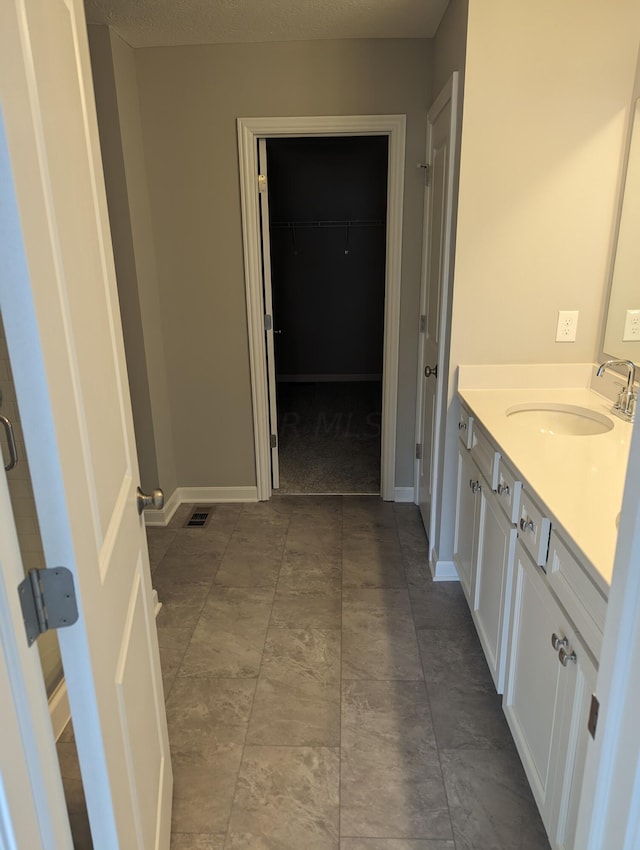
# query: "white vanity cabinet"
549,680
484,544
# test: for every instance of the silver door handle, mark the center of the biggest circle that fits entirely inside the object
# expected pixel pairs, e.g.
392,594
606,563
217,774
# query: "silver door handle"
11,440
155,500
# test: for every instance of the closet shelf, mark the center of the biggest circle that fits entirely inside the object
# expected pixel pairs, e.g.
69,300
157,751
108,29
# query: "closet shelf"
295,225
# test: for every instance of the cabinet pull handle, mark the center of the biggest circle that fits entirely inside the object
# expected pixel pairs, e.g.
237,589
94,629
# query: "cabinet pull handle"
527,525
462,426
558,642
565,657
503,489
475,487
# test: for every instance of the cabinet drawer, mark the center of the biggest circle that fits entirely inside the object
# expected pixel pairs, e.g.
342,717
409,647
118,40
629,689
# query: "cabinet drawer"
508,489
534,529
465,427
485,456
581,598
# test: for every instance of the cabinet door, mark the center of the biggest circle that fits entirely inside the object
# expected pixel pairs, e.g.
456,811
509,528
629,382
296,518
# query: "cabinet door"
570,746
536,683
493,579
464,545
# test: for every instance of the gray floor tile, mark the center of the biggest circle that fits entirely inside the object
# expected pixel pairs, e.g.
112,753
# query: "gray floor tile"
303,609
158,541
490,801
286,799
391,782
392,844
297,700
440,605
251,561
379,639
182,603
207,721
302,570
315,537
173,643
371,560
229,637
454,660
196,841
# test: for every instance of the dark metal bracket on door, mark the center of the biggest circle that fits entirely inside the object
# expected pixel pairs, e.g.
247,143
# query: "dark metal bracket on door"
48,601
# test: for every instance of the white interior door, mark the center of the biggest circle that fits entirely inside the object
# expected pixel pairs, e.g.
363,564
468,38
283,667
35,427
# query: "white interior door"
263,184
441,129
32,808
59,304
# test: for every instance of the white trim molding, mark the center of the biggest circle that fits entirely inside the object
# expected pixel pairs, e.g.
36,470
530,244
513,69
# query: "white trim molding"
249,131
404,494
59,709
442,570
199,496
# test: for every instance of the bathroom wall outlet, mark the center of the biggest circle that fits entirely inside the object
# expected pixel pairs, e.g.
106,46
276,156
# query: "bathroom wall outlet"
631,325
567,326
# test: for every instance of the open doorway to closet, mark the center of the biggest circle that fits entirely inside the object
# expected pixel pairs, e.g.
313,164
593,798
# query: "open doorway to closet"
254,133
326,246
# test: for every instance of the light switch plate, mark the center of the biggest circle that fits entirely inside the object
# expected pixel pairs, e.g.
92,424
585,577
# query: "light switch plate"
567,326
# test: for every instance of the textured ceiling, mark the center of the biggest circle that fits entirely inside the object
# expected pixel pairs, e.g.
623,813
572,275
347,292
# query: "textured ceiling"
149,23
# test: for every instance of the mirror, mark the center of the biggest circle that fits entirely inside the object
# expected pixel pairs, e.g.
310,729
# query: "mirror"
622,332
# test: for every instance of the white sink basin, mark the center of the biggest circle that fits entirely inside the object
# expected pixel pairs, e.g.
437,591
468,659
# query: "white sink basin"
565,420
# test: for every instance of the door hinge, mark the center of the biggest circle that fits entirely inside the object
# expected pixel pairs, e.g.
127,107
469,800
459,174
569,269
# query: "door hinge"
427,172
592,723
262,182
423,324
418,451
48,601
268,322
274,441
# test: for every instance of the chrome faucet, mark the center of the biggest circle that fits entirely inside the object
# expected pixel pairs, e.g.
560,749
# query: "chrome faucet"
625,406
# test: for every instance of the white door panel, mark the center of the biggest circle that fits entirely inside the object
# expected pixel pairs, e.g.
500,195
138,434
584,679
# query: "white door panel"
63,331
432,365
268,308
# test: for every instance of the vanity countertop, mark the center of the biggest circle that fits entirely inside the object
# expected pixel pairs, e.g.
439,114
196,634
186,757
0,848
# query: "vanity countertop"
579,479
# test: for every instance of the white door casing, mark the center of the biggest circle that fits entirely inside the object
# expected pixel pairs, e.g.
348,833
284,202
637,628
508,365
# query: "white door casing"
59,304
434,300
32,807
249,131
268,309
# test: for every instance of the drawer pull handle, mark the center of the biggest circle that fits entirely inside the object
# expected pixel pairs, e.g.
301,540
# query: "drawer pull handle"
558,642
565,657
476,487
527,525
503,490
462,426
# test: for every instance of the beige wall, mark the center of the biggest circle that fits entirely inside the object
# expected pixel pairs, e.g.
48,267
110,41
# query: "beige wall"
547,92
114,76
190,98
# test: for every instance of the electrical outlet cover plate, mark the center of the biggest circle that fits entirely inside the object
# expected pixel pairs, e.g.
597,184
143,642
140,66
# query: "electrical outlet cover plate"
567,326
631,326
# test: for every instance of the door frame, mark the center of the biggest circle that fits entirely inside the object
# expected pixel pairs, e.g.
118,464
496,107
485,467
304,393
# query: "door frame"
450,93
249,131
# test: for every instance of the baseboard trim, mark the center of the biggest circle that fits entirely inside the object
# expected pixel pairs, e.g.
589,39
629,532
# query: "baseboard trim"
59,709
201,496
442,570
403,494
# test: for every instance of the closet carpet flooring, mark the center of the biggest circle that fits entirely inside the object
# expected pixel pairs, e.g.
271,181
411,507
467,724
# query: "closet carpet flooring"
329,437
323,693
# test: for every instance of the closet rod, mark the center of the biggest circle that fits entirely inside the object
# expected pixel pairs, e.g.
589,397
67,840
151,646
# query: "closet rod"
328,223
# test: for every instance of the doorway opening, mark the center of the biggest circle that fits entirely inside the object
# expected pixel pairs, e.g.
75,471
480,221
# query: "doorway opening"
327,209
250,131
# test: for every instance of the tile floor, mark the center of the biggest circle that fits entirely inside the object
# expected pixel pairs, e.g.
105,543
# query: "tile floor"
322,693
